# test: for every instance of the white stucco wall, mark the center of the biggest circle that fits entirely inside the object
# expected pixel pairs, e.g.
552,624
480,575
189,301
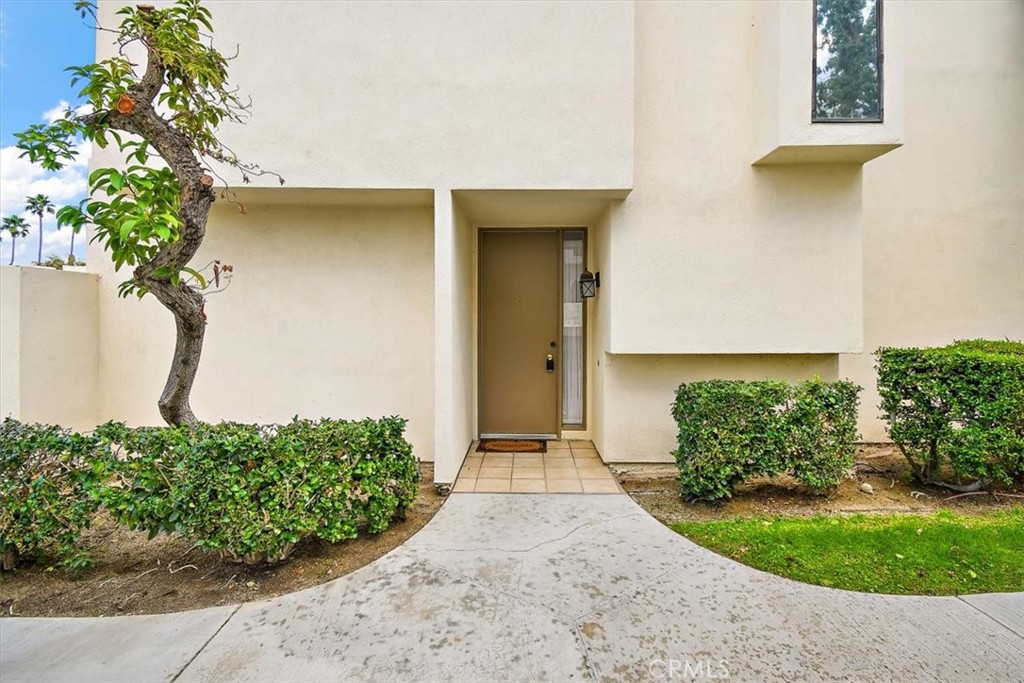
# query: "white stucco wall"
944,215
330,313
49,346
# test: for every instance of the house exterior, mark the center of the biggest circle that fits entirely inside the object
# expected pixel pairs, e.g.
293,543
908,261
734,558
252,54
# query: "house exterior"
453,168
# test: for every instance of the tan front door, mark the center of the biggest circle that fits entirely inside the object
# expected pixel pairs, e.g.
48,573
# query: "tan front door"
519,331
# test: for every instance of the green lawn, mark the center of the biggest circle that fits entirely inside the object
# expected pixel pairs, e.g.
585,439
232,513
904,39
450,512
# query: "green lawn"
940,554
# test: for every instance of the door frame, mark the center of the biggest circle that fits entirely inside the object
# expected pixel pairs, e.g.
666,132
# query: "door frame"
559,386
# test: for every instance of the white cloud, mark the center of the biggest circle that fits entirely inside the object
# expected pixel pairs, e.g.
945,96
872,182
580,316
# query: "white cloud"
20,178
58,112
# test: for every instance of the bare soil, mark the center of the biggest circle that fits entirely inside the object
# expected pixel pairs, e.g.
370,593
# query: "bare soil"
133,575
881,466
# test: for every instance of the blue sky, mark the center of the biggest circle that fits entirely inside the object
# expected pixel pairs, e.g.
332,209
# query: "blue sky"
38,39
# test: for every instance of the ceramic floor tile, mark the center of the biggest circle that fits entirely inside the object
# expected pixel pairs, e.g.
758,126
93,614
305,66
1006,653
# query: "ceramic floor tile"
564,486
528,486
527,472
566,465
558,455
593,473
492,486
464,485
495,472
492,460
599,486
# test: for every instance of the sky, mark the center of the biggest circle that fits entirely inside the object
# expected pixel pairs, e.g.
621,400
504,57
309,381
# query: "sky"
38,40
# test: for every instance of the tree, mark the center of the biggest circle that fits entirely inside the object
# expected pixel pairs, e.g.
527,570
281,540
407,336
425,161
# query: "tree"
847,84
151,214
17,227
39,205
74,218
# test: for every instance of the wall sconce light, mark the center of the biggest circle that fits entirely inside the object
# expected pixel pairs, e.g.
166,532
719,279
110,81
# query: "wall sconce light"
589,282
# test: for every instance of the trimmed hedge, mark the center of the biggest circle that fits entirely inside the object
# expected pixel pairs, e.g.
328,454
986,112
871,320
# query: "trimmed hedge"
956,410
252,492
730,431
48,483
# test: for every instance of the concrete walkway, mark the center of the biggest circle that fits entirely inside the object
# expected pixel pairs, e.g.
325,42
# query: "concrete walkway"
541,587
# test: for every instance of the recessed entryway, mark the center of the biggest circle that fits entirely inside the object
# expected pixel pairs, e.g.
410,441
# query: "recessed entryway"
566,467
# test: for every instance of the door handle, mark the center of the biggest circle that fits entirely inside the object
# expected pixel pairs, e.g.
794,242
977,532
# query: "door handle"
551,363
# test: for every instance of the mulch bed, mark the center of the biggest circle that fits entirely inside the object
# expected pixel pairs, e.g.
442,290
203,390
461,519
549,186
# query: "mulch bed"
131,575
881,467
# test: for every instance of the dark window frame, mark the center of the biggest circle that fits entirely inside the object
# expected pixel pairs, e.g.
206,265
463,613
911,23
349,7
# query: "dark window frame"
880,10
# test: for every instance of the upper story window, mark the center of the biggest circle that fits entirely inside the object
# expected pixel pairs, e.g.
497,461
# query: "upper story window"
847,60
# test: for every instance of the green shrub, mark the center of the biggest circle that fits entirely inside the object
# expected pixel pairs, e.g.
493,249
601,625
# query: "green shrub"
730,431
252,492
48,485
959,407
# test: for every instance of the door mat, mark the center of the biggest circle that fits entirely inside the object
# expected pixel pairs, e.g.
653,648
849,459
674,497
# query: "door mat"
512,446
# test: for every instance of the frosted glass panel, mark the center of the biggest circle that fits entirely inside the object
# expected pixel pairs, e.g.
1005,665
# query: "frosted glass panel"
572,329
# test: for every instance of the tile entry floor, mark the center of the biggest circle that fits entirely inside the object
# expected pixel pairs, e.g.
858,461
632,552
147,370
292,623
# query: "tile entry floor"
567,467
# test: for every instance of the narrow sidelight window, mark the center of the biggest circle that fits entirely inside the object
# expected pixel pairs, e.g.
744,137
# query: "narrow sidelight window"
572,328
847,60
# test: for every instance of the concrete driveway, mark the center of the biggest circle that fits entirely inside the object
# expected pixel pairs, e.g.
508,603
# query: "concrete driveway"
541,588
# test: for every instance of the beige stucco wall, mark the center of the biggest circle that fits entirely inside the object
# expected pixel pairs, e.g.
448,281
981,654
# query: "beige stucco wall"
707,265
455,336
49,346
329,314
10,342
600,261
433,94
713,255
944,215
782,34
639,390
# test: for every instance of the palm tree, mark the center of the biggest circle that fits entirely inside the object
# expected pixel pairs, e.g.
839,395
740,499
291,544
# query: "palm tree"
74,218
17,227
39,205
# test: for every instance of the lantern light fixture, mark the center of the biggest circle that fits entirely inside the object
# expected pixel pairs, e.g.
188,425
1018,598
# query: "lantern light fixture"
589,282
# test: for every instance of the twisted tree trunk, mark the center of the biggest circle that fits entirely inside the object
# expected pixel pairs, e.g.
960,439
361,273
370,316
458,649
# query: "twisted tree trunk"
136,114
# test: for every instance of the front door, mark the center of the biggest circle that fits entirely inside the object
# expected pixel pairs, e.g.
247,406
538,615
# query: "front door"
520,280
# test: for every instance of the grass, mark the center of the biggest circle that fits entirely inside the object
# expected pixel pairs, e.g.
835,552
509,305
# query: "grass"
940,554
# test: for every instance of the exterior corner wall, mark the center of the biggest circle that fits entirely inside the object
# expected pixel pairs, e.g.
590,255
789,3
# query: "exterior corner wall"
10,342
600,260
714,255
944,215
639,390
464,337
49,342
